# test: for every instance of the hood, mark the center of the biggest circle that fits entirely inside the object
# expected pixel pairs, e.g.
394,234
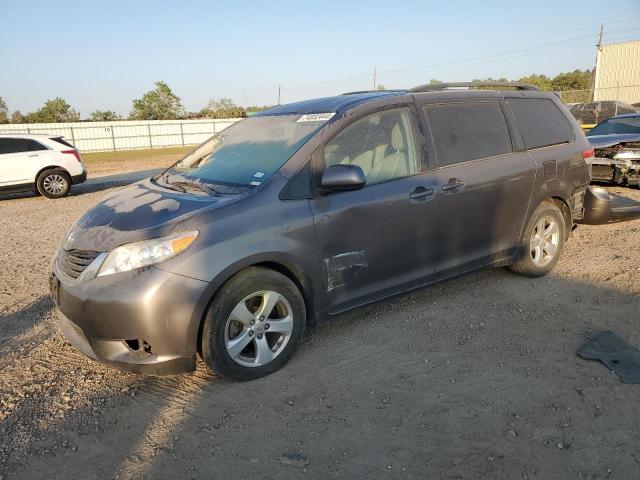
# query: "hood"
137,212
602,141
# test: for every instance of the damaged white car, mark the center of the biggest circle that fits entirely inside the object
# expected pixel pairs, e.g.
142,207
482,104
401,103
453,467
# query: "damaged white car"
616,142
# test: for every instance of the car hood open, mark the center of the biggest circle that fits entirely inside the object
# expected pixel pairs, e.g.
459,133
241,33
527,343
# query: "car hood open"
603,141
138,212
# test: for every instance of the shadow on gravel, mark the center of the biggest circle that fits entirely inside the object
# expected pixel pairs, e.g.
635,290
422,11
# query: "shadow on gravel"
110,181
473,378
94,184
16,323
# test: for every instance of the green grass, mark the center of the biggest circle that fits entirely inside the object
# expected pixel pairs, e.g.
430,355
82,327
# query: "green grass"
105,163
126,155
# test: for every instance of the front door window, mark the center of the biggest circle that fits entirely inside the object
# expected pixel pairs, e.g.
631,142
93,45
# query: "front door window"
381,144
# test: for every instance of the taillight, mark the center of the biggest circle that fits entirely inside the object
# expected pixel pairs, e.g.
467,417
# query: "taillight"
589,154
75,153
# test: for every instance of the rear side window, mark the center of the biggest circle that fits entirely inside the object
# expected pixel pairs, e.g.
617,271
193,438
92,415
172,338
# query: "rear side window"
468,131
13,145
63,142
541,122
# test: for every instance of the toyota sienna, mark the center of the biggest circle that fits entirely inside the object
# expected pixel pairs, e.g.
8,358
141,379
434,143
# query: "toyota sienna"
301,212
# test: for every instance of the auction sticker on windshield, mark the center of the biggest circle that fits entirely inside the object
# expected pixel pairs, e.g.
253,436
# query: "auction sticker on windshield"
316,117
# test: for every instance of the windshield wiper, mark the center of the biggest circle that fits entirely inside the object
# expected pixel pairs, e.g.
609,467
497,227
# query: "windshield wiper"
169,185
185,184
180,185
203,188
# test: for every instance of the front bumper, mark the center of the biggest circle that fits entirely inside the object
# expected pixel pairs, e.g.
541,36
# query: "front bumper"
144,321
601,208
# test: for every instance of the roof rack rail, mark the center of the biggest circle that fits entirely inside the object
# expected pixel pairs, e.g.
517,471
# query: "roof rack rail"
441,86
356,92
373,91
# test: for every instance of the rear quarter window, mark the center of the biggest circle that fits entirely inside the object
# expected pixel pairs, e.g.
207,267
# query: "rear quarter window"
35,146
467,131
541,122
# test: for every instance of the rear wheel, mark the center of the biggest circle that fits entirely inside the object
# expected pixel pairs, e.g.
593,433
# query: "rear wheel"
53,183
543,241
253,325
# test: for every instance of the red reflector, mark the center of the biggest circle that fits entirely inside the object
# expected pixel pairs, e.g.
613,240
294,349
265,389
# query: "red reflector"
588,153
75,153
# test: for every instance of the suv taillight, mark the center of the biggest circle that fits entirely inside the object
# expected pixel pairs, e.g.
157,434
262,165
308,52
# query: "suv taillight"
75,153
588,154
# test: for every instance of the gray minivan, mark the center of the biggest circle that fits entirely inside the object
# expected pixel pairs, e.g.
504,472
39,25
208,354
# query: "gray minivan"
304,211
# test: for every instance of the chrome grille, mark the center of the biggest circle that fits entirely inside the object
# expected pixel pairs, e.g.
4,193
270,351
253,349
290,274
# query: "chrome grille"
73,262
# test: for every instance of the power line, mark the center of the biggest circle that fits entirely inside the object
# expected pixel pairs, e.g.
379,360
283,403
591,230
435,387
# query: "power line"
547,47
566,43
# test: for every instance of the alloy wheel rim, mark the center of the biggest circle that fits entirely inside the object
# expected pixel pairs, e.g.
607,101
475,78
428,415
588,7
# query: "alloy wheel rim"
54,184
258,328
543,246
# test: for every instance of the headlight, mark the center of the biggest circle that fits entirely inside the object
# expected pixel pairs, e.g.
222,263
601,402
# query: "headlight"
140,254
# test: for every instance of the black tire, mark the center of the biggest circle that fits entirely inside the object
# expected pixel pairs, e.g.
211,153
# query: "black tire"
53,183
251,282
527,263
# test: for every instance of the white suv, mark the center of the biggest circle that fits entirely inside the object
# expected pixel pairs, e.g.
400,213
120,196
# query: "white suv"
45,163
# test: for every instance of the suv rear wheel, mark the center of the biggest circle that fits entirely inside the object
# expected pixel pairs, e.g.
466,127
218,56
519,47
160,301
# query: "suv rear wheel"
543,241
53,183
253,325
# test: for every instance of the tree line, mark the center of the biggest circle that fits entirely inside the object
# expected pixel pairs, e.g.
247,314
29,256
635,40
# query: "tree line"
157,104
162,104
576,85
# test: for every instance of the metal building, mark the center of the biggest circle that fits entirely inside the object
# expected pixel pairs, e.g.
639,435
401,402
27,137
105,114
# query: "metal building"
618,72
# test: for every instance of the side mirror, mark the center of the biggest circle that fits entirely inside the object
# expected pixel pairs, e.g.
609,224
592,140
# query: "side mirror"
340,178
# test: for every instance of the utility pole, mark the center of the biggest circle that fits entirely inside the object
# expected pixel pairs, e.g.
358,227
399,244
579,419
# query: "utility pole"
595,69
374,78
278,94
245,99
600,37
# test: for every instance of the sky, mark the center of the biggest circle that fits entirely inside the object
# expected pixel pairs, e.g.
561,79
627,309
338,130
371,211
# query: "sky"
102,55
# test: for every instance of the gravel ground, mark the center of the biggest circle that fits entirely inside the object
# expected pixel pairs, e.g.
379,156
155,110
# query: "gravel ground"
475,378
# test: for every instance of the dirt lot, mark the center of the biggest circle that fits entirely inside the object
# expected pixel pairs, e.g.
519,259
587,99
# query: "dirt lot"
475,378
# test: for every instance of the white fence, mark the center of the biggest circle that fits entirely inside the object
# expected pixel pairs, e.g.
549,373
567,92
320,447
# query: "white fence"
127,134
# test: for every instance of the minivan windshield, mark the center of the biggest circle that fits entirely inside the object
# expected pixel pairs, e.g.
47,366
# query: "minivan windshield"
248,152
617,125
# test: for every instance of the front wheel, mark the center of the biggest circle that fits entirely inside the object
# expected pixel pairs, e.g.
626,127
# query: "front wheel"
543,242
253,325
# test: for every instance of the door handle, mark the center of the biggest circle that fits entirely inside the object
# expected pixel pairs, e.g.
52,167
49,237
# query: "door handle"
452,185
420,193
34,155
